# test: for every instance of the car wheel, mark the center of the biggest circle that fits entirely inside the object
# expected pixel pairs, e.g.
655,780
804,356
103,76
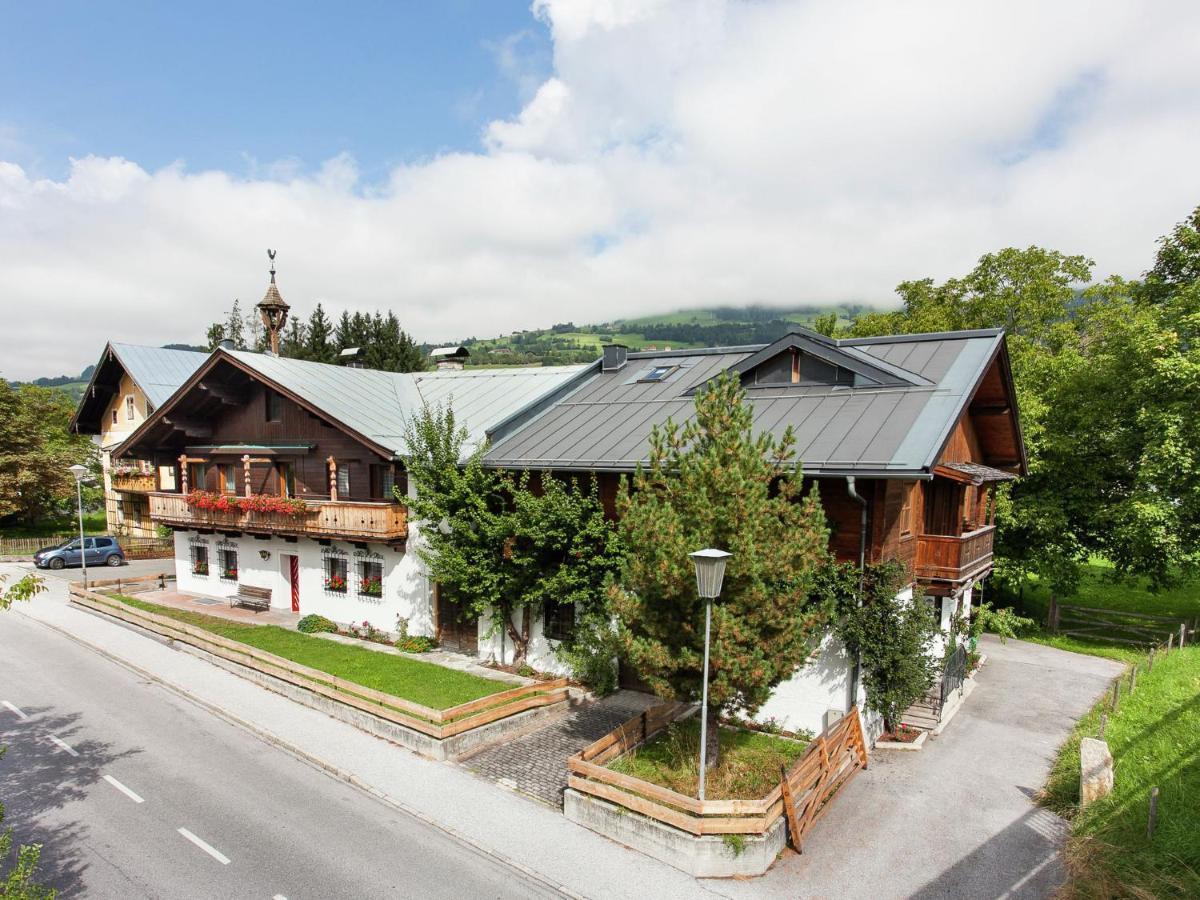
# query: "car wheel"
113,560
56,563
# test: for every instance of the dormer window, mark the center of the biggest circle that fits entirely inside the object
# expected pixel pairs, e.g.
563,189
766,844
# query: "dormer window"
658,373
798,367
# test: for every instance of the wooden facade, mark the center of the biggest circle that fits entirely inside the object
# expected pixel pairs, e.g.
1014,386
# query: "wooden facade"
231,433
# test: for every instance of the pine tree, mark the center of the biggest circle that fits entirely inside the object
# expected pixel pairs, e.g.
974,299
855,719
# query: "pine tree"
293,342
235,328
318,343
214,335
712,483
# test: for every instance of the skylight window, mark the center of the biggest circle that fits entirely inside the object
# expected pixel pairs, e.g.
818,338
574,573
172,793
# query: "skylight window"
658,373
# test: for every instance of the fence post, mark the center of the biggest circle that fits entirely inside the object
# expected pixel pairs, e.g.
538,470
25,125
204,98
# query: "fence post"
1150,660
1132,678
1116,694
1153,820
1052,615
1103,725
1182,634
1170,641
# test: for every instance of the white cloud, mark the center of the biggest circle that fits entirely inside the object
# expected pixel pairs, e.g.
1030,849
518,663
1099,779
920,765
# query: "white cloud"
684,152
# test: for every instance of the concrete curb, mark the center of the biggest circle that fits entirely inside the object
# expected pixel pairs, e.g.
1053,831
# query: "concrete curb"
315,761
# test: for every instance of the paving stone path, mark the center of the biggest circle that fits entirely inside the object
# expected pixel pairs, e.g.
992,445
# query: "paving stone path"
535,763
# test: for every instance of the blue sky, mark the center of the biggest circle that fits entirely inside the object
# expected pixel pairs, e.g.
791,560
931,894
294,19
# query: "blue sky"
232,85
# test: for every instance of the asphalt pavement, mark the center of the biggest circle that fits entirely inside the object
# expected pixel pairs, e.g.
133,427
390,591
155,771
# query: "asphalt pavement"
134,568
135,792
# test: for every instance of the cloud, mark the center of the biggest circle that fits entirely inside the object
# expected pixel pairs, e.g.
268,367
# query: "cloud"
682,152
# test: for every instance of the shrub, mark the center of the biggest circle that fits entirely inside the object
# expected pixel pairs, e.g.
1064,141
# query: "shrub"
416,643
313,623
591,654
1004,623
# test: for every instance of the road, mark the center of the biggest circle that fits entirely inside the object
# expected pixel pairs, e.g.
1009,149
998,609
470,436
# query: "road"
136,792
135,568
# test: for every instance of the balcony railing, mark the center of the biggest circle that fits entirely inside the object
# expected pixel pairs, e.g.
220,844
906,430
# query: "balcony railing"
139,482
348,520
954,558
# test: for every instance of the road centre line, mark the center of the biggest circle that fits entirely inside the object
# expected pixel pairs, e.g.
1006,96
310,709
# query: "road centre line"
63,745
207,848
9,706
124,790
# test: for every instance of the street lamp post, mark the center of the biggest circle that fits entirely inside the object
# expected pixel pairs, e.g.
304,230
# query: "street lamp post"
80,472
710,572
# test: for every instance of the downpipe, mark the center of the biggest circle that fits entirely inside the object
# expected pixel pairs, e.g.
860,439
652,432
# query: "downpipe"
856,670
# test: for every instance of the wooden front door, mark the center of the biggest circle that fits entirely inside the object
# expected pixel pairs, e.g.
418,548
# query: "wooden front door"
456,630
294,580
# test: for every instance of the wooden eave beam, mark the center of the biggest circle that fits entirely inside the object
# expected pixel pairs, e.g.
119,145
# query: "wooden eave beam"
222,393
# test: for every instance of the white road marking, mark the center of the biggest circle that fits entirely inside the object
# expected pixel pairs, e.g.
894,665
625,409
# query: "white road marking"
207,848
279,897
9,706
63,745
124,790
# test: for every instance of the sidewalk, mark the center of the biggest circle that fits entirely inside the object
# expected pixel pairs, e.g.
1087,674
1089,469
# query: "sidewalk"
519,831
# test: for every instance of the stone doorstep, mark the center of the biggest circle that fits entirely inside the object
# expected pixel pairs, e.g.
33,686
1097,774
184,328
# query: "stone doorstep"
903,745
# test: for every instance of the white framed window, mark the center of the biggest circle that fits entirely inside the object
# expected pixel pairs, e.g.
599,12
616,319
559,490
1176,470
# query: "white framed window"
130,409
343,482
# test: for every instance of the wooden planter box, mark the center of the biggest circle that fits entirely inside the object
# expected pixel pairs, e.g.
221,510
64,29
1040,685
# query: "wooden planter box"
710,838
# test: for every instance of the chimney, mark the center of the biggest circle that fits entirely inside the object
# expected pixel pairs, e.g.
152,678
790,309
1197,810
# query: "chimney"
226,344
449,357
351,358
614,359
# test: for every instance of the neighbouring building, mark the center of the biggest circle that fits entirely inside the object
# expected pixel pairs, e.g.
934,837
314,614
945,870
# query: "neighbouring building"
920,427
127,385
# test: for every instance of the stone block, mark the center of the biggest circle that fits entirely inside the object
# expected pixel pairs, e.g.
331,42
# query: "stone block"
1095,770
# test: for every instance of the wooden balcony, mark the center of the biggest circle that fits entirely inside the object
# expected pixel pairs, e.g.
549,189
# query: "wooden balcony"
137,483
950,558
351,520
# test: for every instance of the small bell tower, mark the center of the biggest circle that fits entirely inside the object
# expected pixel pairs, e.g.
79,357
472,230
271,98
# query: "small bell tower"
273,310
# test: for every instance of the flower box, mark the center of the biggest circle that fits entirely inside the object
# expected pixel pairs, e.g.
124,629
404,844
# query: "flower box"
262,503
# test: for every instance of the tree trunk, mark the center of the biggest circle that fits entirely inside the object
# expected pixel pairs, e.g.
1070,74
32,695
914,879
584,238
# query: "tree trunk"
520,639
712,751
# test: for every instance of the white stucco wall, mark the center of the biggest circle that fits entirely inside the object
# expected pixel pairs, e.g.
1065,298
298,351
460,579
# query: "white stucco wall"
540,654
404,586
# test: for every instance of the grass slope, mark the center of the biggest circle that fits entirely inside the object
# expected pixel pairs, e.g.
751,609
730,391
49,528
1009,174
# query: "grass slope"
1154,737
421,682
749,767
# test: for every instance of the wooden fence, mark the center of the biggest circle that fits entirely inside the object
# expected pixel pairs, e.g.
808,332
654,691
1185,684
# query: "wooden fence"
134,547
435,723
1113,626
803,794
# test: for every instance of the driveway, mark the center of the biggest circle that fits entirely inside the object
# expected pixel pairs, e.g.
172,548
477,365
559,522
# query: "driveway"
956,819
134,568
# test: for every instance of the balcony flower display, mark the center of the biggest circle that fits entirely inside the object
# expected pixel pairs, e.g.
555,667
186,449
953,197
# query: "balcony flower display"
229,573
263,503
372,586
200,567
335,583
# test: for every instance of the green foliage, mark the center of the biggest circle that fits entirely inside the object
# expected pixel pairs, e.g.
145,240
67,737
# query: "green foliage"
713,483
24,589
891,637
592,653
748,769
1153,736
506,545
1005,623
36,449
312,623
416,643
1107,380
18,884
425,683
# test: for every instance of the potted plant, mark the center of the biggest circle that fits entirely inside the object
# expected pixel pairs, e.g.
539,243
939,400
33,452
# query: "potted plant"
335,583
372,586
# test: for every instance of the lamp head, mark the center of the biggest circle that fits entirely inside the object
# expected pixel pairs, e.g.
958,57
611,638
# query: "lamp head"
710,571
80,472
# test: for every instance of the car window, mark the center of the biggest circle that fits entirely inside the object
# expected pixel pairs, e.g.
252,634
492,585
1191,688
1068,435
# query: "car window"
104,542
91,544
71,545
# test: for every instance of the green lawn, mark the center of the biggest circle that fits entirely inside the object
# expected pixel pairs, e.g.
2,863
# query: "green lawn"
421,682
1155,740
749,767
1099,589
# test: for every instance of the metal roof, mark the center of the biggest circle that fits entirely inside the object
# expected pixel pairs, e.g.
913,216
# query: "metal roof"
897,426
158,372
378,404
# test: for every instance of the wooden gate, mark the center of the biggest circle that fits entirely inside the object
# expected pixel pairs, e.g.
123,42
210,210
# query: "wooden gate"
456,631
830,761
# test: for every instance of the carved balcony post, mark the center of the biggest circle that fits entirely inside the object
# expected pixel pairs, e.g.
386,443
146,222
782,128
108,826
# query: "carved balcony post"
333,495
183,473
246,472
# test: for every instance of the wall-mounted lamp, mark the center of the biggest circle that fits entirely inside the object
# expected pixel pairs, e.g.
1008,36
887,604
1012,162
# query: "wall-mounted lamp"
264,554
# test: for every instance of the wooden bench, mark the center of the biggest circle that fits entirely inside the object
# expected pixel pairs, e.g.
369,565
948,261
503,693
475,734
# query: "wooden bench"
251,597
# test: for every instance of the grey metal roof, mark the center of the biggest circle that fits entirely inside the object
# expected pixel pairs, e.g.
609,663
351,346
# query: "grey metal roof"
158,371
378,404
605,422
